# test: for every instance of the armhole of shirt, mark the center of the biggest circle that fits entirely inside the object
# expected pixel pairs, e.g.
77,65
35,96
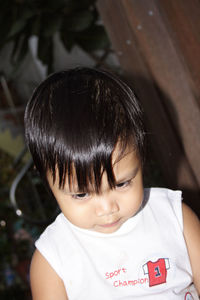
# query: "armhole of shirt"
47,251
176,200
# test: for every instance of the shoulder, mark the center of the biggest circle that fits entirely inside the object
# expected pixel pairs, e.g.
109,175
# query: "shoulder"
192,237
53,245
45,283
52,237
164,193
167,207
55,229
166,201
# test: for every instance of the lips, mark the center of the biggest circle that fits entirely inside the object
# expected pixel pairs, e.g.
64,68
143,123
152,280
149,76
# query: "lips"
110,224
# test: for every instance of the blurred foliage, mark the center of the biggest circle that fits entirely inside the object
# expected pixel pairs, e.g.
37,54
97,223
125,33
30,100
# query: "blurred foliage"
16,240
76,22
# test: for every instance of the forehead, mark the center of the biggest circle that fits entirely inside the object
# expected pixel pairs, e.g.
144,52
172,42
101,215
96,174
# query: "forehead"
124,162
120,155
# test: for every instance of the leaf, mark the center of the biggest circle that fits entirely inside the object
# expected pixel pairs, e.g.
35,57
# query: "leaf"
35,26
5,24
74,20
21,17
50,5
45,51
18,26
93,39
22,49
50,25
78,21
77,5
27,12
68,40
15,46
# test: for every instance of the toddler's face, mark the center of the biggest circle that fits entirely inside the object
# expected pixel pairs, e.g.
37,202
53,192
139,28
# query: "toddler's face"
107,211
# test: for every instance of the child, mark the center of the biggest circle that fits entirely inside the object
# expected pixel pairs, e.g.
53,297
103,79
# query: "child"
114,239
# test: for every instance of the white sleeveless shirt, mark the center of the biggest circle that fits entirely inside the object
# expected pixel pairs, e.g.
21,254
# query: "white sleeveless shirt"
146,258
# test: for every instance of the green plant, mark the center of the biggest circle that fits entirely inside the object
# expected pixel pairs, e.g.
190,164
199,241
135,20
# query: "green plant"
16,239
76,22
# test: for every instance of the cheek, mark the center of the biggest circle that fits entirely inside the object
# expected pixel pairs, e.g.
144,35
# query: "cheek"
78,214
133,200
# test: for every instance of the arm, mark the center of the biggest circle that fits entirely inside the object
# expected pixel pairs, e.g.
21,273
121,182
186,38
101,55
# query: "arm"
45,283
192,238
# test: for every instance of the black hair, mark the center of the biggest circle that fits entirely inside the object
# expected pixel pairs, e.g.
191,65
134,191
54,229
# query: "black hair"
74,120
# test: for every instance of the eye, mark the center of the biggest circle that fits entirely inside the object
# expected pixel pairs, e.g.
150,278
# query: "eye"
123,184
80,196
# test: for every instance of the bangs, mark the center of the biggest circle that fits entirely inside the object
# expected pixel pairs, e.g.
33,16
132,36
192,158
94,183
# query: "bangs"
74,121
87,172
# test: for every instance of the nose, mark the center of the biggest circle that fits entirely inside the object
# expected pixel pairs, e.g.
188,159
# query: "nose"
106,205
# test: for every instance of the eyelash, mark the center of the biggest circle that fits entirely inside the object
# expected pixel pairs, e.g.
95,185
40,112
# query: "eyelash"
123,184
78,196
83,196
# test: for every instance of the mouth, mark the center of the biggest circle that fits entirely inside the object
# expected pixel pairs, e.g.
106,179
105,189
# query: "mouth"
107,225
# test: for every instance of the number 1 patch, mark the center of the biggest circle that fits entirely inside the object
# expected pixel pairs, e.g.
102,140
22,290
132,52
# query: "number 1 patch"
157,271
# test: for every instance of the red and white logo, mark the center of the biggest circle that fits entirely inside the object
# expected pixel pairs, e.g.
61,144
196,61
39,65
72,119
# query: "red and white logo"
157,271
188,296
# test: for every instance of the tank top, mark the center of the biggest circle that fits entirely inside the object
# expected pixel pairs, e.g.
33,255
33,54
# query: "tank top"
146,258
